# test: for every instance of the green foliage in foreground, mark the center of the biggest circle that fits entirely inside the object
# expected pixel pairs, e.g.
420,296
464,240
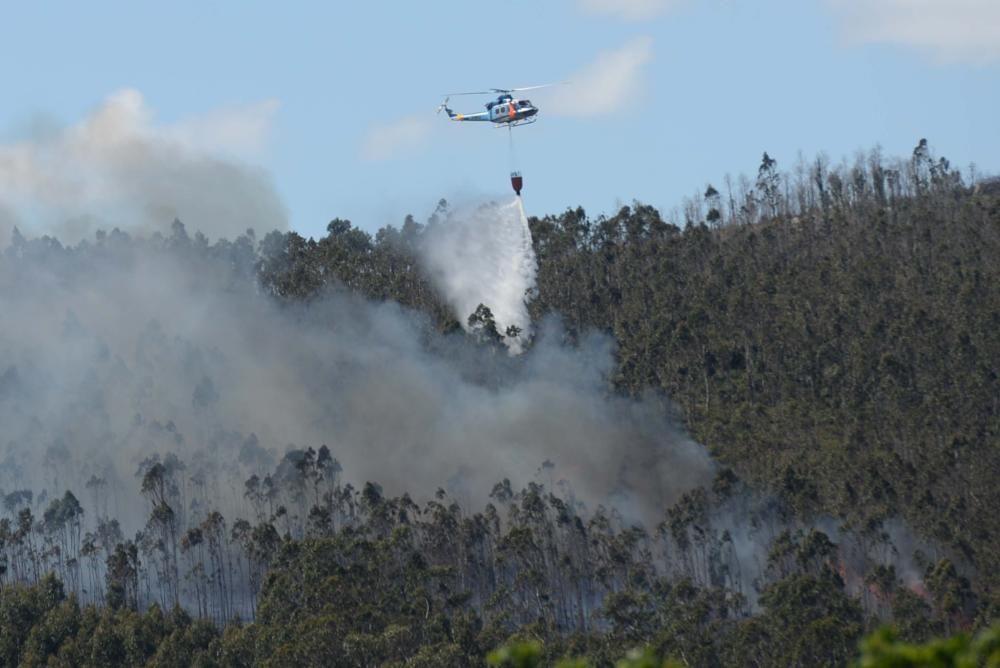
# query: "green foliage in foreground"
881,649
529,654
41,626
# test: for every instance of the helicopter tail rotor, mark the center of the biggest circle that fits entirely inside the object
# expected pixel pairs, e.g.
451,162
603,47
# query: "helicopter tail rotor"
444,106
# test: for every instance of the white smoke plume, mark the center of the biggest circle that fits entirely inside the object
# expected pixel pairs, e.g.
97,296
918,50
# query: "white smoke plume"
118,168
484,255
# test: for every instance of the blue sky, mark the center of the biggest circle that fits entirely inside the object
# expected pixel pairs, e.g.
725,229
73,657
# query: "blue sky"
335,101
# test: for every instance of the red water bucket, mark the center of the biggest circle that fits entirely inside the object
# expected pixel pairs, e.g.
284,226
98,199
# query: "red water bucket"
516,182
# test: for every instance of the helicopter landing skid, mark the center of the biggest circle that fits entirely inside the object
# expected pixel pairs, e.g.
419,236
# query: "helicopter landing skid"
514,124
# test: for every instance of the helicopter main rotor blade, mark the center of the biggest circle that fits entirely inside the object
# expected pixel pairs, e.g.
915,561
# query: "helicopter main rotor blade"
514,90
491,91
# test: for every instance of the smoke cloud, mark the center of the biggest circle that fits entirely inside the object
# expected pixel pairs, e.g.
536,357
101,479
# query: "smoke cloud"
118,168
118,350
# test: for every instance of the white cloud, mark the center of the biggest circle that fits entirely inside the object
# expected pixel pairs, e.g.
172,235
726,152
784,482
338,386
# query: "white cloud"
950,30
390,140
629,10
117,168
612,82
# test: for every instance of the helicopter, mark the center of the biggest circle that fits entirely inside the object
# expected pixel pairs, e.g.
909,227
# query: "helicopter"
506,110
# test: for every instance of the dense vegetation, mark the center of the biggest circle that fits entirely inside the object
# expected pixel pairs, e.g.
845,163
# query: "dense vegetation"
840,347
832,335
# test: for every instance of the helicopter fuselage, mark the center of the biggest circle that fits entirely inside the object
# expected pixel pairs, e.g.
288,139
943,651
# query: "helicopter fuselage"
505,110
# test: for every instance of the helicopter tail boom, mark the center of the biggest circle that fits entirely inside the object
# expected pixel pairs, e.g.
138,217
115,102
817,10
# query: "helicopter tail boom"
481,116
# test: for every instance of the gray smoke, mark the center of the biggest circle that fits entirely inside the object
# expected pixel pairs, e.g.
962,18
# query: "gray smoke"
114,351
116,168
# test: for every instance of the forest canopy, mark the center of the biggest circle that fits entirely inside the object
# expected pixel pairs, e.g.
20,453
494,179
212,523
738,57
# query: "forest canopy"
750,432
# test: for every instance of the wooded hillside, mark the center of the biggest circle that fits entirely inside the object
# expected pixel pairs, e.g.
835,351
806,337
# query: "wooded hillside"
831,334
